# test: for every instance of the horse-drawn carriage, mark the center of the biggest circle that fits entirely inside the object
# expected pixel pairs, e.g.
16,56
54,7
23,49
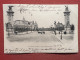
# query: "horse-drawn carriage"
41,32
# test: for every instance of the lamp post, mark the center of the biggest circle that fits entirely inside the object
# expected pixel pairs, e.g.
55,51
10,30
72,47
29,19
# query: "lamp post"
8,32
8,26
61,34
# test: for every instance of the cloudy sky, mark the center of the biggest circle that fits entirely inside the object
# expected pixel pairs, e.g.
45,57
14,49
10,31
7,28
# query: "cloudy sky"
44,15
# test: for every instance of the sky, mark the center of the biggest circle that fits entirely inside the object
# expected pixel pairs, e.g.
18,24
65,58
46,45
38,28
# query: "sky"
44,15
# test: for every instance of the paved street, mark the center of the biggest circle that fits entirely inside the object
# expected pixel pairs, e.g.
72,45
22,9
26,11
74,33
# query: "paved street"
35,37
35,40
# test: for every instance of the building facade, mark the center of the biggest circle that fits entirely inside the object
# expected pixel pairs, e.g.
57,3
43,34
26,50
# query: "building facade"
25,25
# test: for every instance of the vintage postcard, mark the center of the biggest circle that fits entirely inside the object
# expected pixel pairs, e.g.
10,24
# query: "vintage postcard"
40,28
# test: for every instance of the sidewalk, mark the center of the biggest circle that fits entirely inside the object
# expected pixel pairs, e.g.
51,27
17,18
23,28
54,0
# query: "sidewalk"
66,38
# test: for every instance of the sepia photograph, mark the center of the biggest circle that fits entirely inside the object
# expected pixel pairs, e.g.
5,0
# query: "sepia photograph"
40,28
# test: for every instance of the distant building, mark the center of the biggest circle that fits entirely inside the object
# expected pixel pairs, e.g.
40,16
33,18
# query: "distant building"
59,26
19,24
30,25
35,25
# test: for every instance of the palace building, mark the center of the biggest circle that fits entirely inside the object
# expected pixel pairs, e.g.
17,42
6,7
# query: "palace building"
23,24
